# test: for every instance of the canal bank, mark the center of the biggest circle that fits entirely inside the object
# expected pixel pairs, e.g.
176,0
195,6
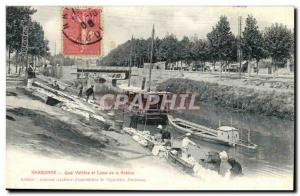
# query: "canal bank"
279,103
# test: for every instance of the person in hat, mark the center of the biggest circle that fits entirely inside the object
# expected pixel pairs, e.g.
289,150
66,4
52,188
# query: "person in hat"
30,75
185,145
159,127
158,136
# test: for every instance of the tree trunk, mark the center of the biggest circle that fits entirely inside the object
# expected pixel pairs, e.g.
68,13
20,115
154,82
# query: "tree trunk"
140,61
275,68
220,70
143,62
257,69
8,60
272,67
17,61
249,68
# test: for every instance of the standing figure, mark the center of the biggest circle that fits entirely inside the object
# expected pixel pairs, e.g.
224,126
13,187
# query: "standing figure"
185,145
165,134
224,165
89,92
30,75
80,91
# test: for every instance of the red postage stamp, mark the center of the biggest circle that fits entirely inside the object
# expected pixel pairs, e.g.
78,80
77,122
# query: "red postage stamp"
82,32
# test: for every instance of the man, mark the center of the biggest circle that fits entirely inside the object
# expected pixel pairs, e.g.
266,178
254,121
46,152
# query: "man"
165,134
55,85
158,136
30,75
89,92
80,91
185,145
236,168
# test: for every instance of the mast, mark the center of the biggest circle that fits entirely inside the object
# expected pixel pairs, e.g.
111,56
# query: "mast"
151,55
130,60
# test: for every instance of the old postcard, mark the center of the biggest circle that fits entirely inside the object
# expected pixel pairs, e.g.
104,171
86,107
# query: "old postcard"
150,98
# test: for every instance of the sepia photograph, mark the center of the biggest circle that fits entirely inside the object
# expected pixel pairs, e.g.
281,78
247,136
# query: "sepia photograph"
150,98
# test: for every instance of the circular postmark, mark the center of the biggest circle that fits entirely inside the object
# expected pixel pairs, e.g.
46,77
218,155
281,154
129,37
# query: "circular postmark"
82,26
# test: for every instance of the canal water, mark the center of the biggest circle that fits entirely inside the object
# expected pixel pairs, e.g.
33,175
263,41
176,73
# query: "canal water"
274,137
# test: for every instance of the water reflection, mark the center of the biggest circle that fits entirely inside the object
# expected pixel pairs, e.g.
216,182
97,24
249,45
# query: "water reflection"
274,137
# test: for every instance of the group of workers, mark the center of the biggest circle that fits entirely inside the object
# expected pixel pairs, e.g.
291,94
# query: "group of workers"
165,137
225,164
89,92
31,75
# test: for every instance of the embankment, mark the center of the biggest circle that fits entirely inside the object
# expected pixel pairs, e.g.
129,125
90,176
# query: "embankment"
273,103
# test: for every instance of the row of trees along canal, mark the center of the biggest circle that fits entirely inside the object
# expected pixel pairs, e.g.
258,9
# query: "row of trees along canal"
275,42
18,18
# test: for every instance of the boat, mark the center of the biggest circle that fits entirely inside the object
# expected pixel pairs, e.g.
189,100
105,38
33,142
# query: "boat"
154,113
174,156
225,135
142,137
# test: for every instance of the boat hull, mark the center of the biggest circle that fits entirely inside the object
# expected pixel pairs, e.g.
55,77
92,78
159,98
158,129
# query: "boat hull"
209,135
188,168
211,138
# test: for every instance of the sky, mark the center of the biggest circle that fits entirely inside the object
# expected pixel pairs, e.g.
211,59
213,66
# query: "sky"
120,23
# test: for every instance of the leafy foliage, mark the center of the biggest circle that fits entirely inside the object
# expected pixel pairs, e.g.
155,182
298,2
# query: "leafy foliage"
278,42
220,45
253,41
15,17
222,41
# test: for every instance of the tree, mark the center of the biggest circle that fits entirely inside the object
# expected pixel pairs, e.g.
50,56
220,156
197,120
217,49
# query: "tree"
169,49
279,43
185,46
156,46
221,41
61,60
199,52
16,16
38,46
252,42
